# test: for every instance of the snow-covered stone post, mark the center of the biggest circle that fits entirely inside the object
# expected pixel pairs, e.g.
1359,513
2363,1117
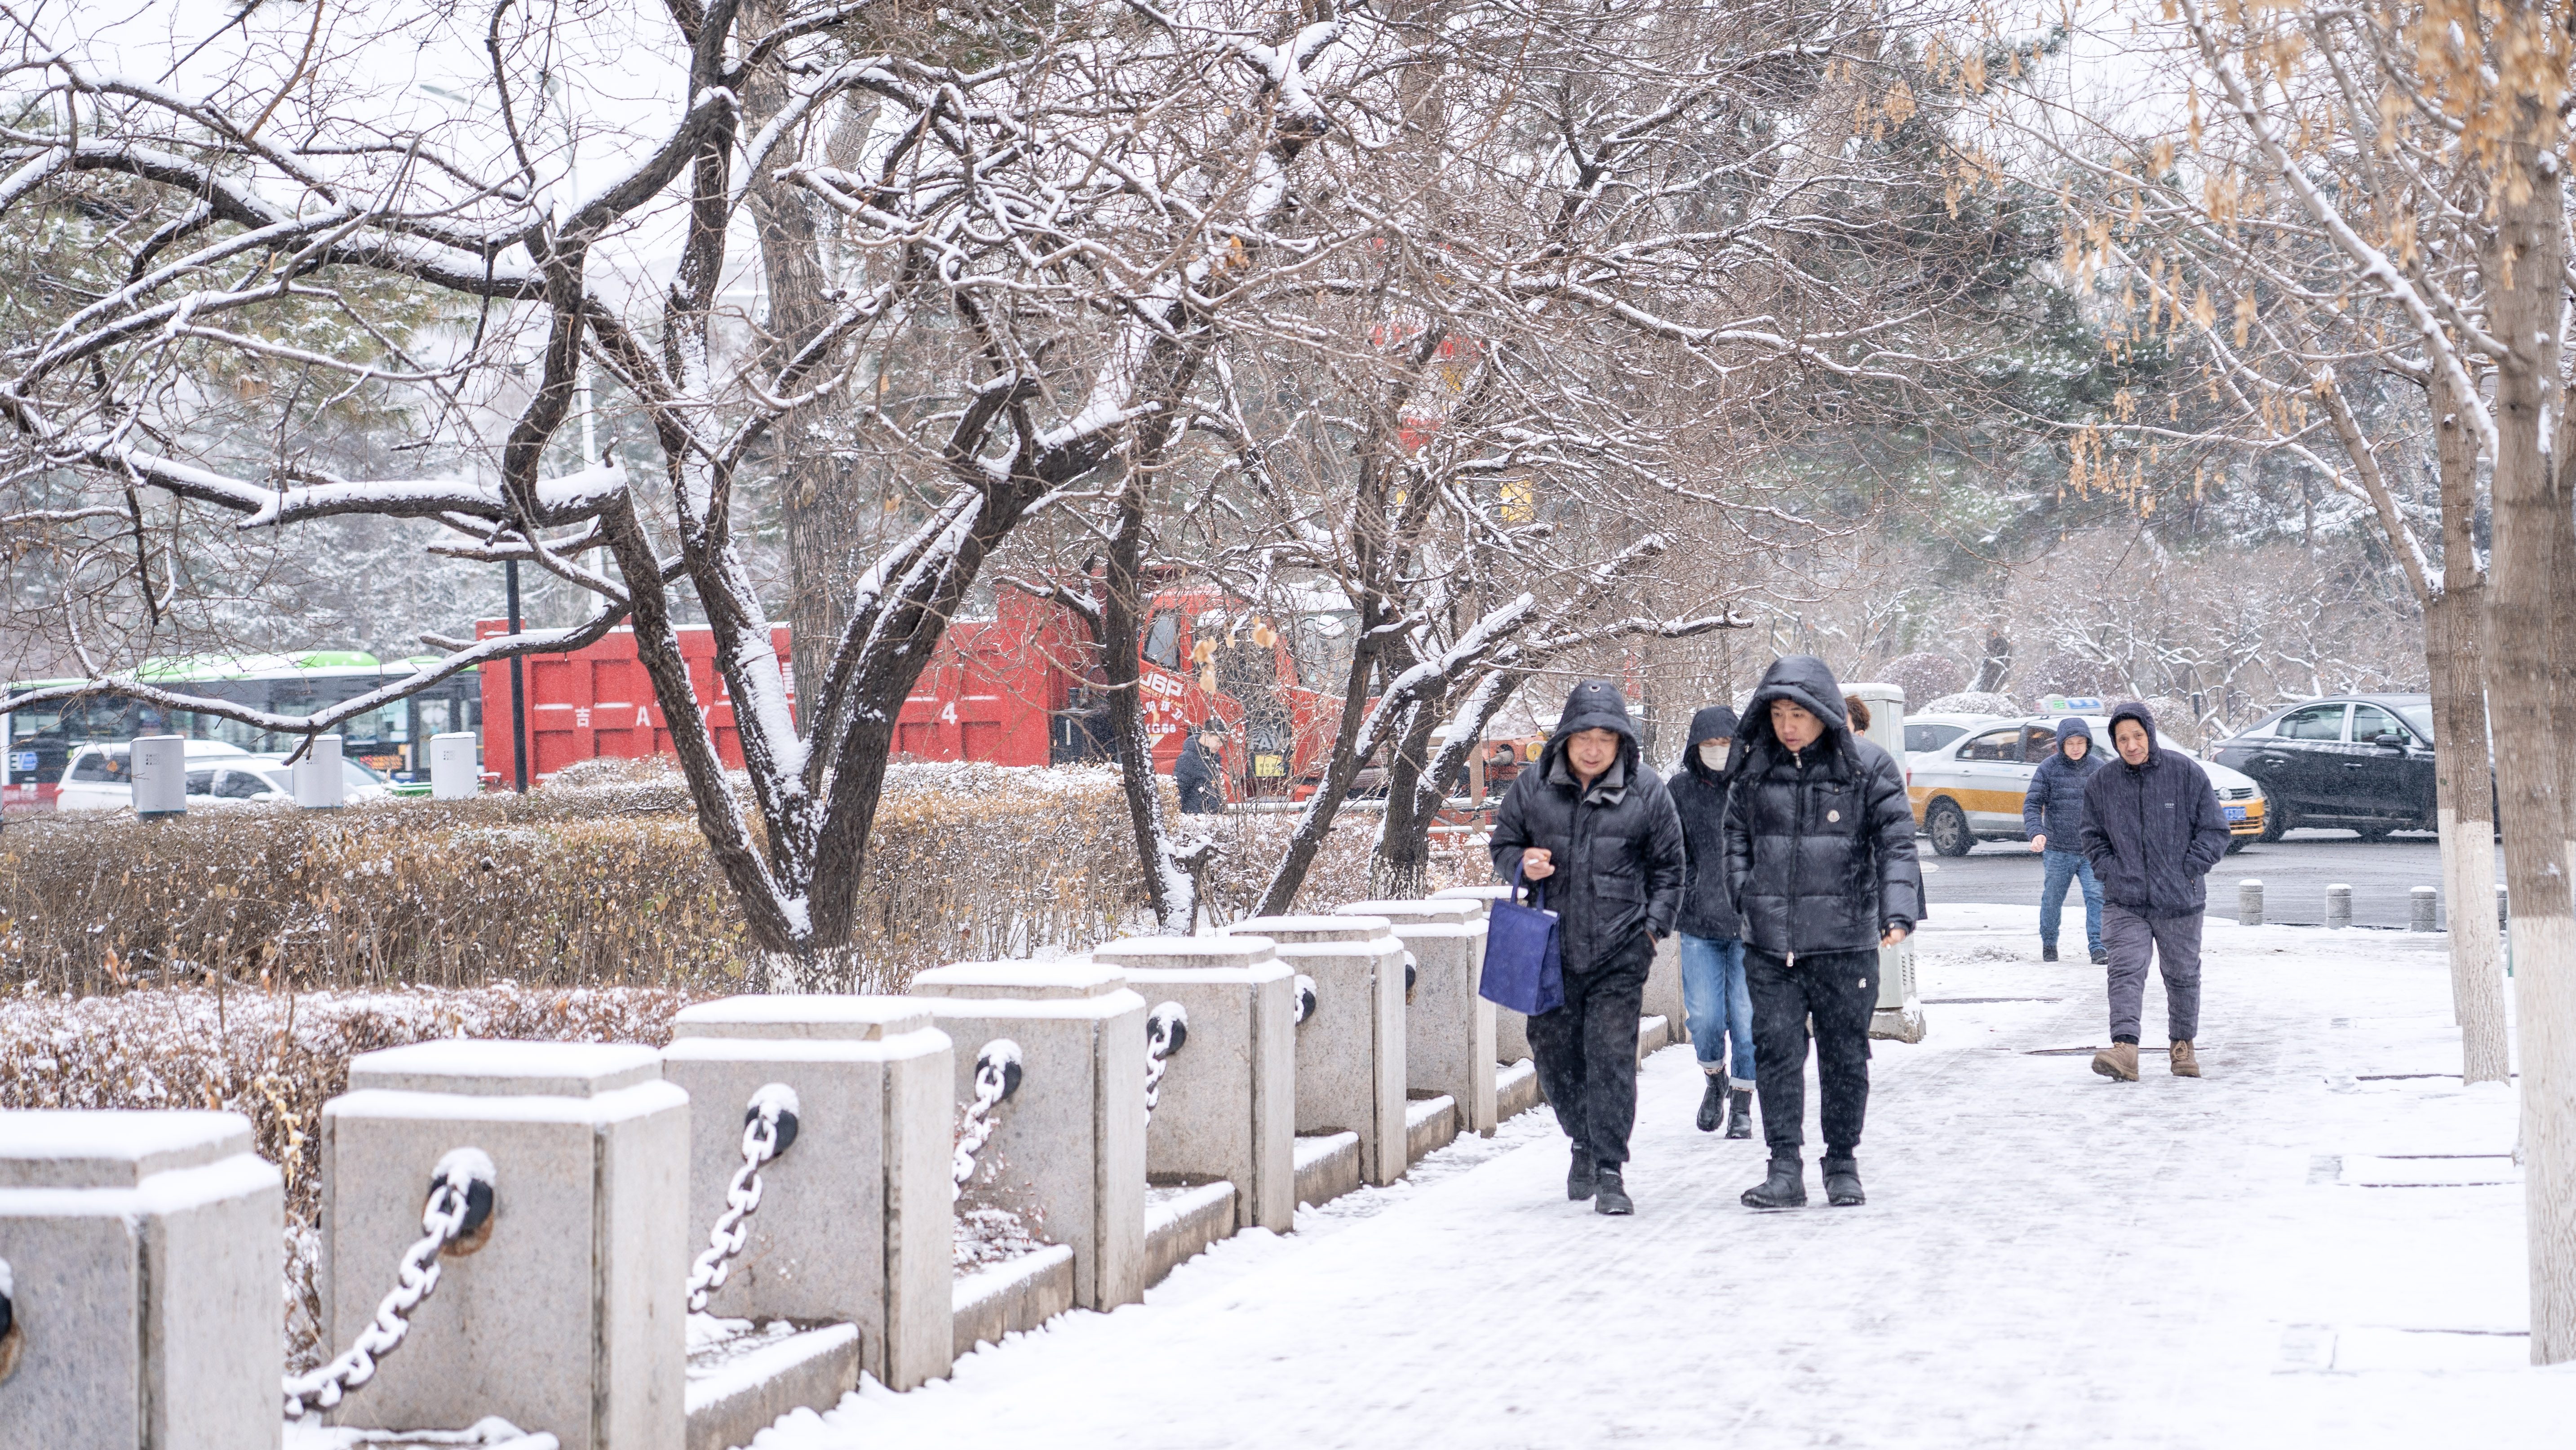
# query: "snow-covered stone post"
1228,1108
1448,1029
567,1318
857,1218
1350,1053
2423,908
317,777
1073,1136
159,767
454,772
2338,905
1511,1029
138,1261
2249,902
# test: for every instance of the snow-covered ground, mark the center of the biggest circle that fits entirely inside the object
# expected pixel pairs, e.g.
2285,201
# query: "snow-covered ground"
2047,1258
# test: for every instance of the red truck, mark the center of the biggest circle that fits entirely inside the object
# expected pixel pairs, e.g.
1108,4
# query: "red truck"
598,701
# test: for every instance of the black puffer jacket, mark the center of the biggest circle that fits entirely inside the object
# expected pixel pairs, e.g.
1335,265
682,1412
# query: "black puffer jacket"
1699,794
1194,776
2152,831
1819,843
1617,846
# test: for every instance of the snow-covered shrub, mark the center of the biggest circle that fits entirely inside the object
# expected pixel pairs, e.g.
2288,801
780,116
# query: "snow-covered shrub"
1968,702
1924,675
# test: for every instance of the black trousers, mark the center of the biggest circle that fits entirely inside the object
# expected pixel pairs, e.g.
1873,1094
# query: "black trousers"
1837,991
1586,1052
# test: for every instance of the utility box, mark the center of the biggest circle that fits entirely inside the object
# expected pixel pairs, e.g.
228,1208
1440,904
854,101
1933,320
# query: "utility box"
1900,1012
455,770
160,775
140,1254
319,782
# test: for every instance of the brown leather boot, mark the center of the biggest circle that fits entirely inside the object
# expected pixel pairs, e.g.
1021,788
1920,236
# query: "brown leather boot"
2185,1063
2119,1062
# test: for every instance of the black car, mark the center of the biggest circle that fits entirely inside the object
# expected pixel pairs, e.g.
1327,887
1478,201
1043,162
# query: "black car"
2363,762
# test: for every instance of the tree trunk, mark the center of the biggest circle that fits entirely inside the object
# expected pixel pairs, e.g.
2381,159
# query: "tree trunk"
2454,650
2522,265
1168,885
1316,821
1400,868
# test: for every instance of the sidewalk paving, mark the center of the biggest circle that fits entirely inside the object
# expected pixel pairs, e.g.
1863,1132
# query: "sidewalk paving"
2321,1243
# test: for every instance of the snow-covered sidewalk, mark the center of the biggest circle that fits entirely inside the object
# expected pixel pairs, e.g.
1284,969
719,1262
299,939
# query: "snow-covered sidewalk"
2318,1244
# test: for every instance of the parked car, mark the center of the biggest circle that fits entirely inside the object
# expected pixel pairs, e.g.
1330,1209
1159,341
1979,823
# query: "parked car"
1971,790
1931,732
101,778
2364,762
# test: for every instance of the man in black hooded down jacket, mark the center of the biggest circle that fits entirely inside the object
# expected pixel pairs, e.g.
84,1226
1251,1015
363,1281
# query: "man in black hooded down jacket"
2153,830
1599,835
1714,999
1820,860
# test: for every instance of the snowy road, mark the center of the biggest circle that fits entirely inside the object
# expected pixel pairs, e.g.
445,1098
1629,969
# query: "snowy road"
2047,1258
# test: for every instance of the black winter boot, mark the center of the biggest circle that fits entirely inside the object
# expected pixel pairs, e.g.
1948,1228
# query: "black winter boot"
1583,1177
1614,1193
2101,956
1842,1183
1785,1188
2048,951
1739,1120
1712,1103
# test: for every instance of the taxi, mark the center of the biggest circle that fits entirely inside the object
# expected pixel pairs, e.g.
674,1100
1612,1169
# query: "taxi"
1971,789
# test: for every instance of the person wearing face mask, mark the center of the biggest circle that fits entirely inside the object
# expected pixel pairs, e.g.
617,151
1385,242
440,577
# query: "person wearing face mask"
1712,948
2052,815
1820,863
1599,832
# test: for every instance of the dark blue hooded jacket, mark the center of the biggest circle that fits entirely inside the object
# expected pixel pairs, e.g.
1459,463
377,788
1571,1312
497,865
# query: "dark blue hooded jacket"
2153,831
1616,845
1699,794
2054,805
1819,843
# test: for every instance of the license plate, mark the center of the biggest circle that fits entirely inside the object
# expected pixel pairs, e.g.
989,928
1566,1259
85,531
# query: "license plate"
2236,813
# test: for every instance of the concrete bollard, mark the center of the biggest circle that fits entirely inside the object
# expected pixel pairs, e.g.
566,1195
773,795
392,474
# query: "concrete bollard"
319,781
1228,1109
1448,1029
159,767
1073,1135
139,1261
856,1222
568,1317
2249,902
2423,905
1350,1053
1511,1029
455,774
2338,905
1663,996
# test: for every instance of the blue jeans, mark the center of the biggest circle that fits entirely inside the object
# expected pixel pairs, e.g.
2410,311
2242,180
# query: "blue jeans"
2065,866
1716,1004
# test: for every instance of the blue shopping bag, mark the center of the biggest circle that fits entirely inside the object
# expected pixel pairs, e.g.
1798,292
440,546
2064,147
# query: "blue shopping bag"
1524,966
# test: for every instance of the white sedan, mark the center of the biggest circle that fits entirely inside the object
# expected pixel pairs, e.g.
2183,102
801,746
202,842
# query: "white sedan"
1971,789
101,778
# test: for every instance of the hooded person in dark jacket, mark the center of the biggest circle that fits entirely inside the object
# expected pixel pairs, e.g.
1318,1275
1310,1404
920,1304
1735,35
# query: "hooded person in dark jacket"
2153,830
1597,833
2052,815
1196,773
1712,947
1820,861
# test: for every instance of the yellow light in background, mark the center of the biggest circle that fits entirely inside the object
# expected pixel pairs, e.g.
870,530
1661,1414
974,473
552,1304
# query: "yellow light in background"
1519,498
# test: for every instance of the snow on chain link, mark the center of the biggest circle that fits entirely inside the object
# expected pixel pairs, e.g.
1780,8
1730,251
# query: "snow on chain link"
997,1076
442,1220
760,1144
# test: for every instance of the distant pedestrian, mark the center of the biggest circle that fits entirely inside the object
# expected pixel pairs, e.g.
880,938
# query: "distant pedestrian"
1856,714
1599,830
2052,815
2153,830
1714,1001
1199,769
1820,862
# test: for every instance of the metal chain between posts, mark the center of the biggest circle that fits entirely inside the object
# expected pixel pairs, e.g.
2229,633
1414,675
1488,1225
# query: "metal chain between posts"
997,1076
459,1210
768,1127
1305,998
1167,1030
